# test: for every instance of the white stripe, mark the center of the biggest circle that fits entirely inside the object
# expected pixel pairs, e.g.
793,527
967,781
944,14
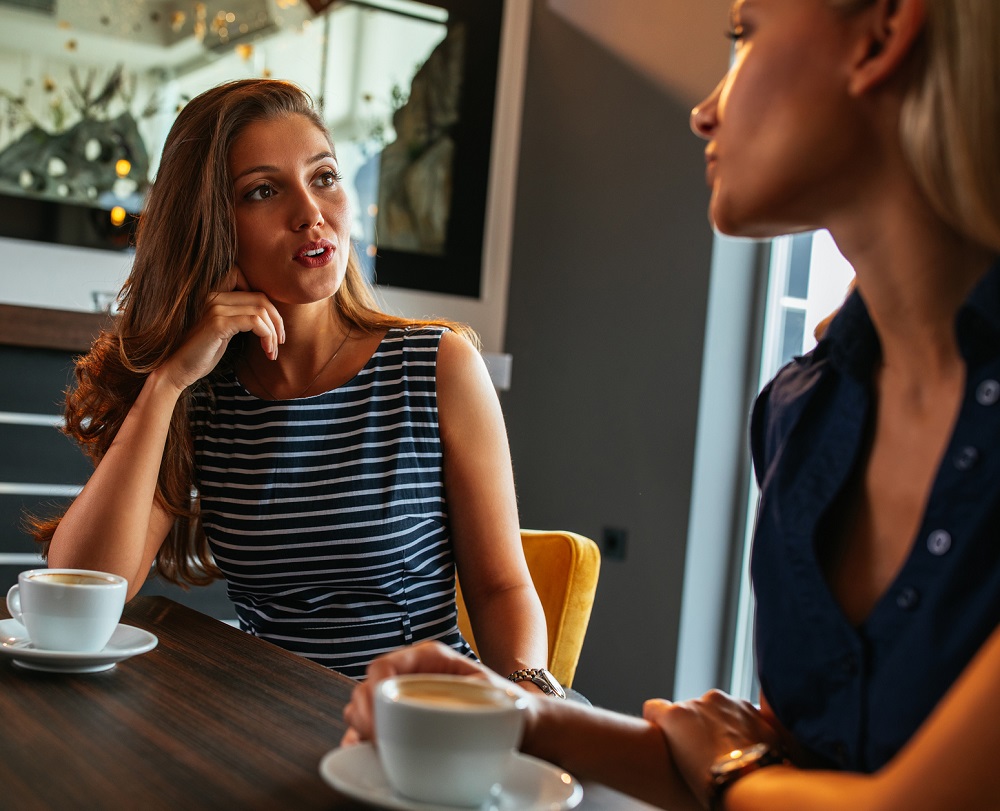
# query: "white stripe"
26,489
21,559
313,485
240,441
20,418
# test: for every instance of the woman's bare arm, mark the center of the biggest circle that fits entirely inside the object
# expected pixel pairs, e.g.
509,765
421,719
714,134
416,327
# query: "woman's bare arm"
504,609
114,525
626,753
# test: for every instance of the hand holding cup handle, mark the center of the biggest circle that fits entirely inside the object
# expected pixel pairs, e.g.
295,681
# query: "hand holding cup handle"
447,739
423,657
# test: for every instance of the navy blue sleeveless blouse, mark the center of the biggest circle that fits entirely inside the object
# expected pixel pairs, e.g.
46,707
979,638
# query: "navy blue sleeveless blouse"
853,696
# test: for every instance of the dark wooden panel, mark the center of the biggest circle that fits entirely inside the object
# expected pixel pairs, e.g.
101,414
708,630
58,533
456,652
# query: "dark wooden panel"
36,453
45,328
13,537
34,381
8,576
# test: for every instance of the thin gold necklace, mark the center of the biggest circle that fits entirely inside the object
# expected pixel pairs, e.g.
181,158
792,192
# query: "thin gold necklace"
312,382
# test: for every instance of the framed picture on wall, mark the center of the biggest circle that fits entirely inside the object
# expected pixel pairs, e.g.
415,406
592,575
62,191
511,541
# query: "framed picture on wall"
407,89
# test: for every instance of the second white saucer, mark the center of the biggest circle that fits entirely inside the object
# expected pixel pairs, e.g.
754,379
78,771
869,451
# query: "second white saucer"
531,785
125,642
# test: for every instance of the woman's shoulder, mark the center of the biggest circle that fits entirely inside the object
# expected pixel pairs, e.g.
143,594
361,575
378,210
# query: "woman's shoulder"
416,338
432,343
420,331
782,401
794,381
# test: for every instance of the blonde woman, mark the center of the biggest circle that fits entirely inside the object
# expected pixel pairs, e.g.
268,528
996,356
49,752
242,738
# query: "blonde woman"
876,557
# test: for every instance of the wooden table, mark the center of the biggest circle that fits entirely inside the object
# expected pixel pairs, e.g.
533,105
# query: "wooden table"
211,718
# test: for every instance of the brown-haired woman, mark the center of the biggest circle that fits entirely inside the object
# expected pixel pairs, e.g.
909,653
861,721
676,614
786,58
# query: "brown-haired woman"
252,414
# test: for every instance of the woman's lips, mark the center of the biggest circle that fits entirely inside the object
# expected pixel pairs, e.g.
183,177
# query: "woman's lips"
709,167
315,254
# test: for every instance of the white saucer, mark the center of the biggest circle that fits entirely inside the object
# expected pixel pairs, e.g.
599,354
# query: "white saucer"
125,642
532,785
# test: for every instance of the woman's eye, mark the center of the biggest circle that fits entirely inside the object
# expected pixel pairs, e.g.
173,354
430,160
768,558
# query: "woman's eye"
261,192
735,33
329,179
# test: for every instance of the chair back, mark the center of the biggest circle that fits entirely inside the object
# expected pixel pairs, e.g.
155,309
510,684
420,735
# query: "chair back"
564,567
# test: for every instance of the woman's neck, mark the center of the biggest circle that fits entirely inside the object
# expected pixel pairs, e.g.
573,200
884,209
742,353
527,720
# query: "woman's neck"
914,272
315,339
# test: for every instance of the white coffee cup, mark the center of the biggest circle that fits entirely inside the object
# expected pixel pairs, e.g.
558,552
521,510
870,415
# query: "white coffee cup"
446,739
68,609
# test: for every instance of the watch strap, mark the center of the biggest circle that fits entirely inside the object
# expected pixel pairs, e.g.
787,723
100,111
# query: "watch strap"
732,766
541,678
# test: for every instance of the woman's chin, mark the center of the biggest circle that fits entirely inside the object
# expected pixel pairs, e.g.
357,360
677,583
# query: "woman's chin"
753,227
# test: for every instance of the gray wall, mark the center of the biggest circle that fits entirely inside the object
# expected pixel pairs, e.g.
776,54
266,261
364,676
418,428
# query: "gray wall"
608,296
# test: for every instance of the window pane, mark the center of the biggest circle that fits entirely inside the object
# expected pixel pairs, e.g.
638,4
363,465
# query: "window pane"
793,334
798,267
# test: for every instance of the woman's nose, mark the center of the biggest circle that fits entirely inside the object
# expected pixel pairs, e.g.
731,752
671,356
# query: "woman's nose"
307,213
704,117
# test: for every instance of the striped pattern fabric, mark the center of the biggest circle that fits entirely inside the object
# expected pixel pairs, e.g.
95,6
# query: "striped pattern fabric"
327,513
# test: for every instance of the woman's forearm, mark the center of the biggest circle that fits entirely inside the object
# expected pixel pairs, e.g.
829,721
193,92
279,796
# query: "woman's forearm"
511,633
113,524
620,751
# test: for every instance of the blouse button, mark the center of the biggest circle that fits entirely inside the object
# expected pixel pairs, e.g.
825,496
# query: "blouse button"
966,458
939,542
907,598
988,392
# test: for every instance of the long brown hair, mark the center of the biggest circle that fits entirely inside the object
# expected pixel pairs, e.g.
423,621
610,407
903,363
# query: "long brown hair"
185,247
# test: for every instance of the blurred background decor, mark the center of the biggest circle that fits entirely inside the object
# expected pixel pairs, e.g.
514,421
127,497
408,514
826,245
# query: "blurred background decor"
89,151
406,87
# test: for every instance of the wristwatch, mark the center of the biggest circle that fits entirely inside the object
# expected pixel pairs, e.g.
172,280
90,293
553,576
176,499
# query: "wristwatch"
731,766
539,676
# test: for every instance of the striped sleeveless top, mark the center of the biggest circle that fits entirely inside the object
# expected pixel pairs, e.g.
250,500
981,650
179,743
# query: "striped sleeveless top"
327,514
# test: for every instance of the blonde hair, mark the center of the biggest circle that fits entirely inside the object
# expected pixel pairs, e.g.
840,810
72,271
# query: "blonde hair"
950,116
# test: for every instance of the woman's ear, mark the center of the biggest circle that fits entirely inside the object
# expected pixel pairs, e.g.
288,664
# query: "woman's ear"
891,29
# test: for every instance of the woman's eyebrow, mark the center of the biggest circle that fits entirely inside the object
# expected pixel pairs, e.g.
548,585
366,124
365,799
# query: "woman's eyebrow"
322,156
266,168
254,169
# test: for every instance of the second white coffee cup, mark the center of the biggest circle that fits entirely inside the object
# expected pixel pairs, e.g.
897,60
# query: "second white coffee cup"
446,739
73,610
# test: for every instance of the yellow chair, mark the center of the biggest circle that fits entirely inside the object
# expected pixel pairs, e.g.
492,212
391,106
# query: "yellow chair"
564,567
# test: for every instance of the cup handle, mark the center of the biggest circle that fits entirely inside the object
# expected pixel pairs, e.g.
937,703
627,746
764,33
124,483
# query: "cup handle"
14,602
